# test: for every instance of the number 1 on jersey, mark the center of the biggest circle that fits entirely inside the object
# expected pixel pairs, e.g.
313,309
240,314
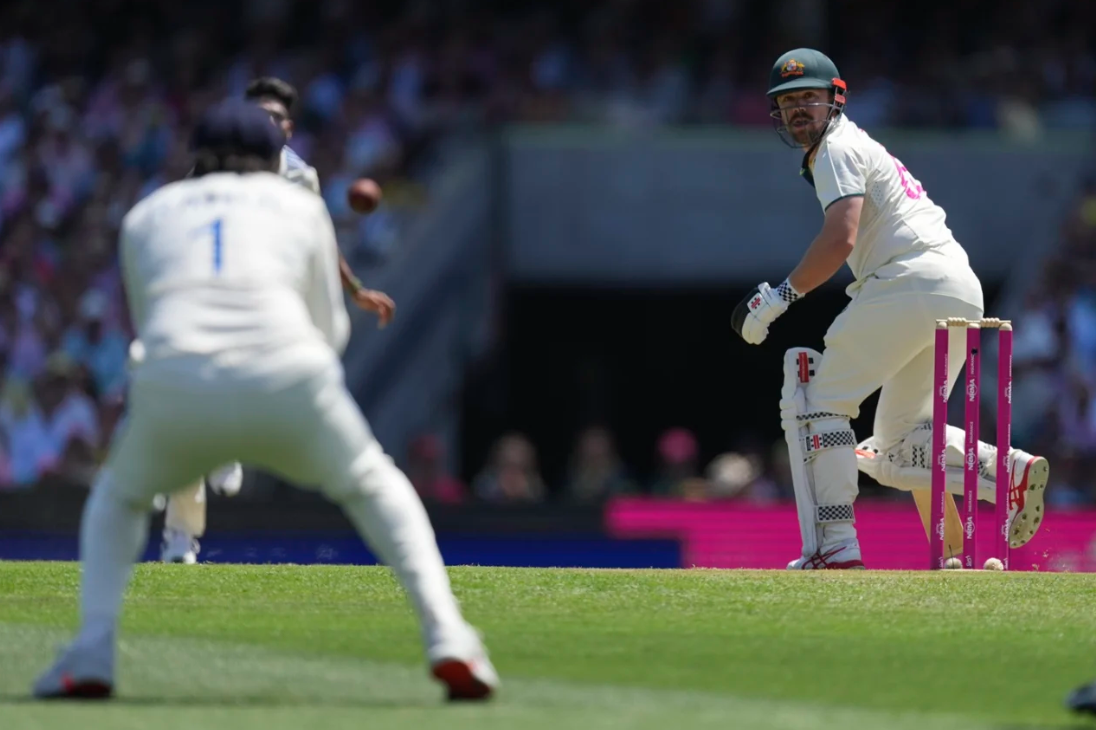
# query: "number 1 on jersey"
217,226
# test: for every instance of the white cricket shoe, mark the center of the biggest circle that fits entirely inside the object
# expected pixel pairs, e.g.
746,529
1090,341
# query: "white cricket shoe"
461,664
85,670
1030,475
226,480
845,556
179,547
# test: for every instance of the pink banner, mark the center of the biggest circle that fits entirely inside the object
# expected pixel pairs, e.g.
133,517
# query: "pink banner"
742,535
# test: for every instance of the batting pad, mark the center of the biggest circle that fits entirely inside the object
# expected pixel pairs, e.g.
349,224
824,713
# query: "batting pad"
906,466
820,450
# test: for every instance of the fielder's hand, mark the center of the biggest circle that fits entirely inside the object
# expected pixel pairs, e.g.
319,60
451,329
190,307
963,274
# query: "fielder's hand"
752,316
375,301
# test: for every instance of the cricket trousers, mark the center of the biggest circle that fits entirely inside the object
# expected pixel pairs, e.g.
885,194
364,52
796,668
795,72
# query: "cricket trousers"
885,340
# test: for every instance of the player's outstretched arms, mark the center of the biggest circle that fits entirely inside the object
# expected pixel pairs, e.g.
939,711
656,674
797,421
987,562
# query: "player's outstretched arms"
375,301
369,300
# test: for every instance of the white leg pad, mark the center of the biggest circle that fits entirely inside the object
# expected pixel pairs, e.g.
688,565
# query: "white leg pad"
906,466
823,464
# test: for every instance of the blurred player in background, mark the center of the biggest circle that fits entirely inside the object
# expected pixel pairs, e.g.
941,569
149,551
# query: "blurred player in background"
279,99
232,283
185,515
910,272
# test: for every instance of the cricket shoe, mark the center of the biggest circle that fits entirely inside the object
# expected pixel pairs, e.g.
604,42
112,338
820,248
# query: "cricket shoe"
1083,699
83,671
463,667
226,480
1025,497
841,557
179,547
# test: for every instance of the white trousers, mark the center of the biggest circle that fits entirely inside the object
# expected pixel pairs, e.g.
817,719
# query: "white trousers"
310,433
188,418
885,338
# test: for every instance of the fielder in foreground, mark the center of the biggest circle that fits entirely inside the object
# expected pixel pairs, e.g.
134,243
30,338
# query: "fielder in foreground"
232,283
910,272
185,515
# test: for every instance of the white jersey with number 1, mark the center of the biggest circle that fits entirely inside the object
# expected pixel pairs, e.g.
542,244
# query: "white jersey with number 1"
902,231
240,268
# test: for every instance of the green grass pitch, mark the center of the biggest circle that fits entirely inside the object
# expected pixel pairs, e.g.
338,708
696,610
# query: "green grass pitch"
271,647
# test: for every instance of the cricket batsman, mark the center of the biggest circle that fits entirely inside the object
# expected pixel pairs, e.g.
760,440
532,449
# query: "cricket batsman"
232,282
910,271
185,515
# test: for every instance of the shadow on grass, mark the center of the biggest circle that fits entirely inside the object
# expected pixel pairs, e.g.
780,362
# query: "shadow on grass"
212,700
1076,725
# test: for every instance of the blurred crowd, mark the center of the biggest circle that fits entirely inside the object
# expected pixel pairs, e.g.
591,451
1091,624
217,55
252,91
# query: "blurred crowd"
1054,360
97,96
595,472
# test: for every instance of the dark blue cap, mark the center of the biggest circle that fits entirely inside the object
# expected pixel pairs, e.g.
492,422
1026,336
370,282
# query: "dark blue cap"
238,127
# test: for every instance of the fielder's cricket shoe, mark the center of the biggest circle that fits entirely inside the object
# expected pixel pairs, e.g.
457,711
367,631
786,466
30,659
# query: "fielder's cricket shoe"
83,671
1083,699
226,481
839,557
1025,499
461,664
179,547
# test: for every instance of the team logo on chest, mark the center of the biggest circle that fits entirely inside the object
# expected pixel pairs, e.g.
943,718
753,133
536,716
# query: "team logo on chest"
791,68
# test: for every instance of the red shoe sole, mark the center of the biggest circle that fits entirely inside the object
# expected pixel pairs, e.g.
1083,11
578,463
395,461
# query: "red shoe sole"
90,690
462,684
846,565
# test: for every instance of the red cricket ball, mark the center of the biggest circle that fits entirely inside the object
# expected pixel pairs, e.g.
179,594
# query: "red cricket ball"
364,195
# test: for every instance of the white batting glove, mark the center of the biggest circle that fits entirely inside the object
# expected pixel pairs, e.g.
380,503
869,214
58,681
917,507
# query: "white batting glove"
754,314
789,413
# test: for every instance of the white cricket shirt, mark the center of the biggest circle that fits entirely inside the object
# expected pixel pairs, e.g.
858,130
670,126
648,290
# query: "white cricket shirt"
902,232
238,268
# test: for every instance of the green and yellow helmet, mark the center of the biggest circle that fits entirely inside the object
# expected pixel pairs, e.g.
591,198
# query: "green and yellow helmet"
805,68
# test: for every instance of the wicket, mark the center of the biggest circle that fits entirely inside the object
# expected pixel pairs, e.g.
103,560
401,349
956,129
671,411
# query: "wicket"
972,398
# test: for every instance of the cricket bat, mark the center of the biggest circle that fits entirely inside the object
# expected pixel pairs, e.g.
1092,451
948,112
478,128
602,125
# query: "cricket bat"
953,523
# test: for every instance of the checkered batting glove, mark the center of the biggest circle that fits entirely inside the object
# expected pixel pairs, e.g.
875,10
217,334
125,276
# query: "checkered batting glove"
754,314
